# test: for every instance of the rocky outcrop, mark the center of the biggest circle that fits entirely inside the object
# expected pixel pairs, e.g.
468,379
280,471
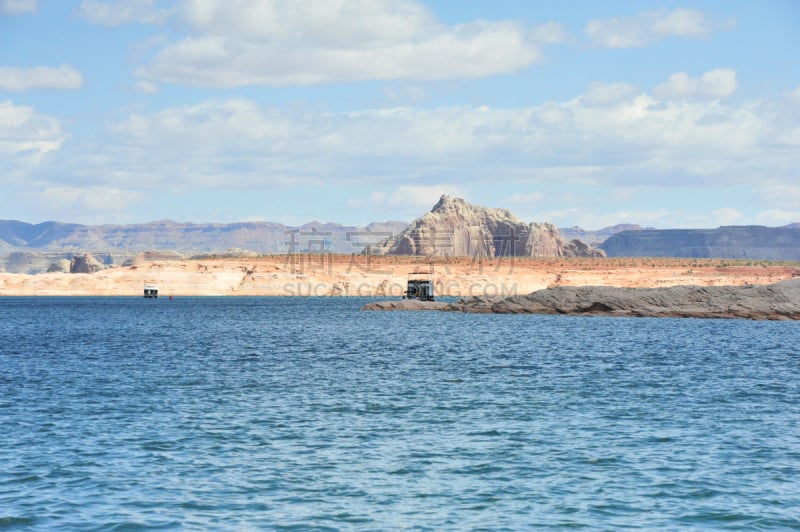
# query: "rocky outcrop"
579,248
731,242
779,301
32,262
59,266
457,228
407,304
85,264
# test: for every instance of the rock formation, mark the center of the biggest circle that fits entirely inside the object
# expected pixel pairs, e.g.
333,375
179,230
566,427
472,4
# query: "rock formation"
59,266
731,242
779,301
457,228
85,264
34,262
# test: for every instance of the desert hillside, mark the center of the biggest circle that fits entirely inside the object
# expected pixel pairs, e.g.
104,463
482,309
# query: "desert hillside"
359,275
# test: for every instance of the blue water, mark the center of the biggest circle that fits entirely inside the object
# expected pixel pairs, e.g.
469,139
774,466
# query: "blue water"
270,413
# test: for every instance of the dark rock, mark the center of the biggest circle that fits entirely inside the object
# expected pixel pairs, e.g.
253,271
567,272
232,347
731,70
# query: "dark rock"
779,301
85,264
59,266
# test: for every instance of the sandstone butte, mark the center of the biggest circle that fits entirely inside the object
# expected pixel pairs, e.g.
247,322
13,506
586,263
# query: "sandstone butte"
385,276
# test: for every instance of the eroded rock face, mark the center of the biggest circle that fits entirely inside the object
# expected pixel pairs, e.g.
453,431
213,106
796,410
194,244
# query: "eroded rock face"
579,248
457,228
85,264
59,266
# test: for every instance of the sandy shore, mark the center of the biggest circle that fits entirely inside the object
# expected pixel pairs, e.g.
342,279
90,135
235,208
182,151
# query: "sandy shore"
346,275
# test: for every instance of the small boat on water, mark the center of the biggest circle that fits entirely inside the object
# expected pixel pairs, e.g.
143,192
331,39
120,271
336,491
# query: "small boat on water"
150,291
420,285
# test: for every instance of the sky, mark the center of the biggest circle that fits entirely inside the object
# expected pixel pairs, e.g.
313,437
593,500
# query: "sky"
665,114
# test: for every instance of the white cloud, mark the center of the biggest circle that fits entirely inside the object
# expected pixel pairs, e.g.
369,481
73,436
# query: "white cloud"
58,198
640,140
376,198
333,23
650,27
682,23
421,197
21,128
717,83
406,94
601,94
23,79
231,123
779,195
26,138
550,33
146,87
116,12
410,199
277,43
774,217
727,216
612,138
794,95
18,7
532,197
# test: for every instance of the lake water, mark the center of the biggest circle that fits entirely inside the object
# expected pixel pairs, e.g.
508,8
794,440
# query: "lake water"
270,413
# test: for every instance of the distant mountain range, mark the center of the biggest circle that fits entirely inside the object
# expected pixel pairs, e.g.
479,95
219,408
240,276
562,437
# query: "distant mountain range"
729,242
259,237
596,237
35,248
29,248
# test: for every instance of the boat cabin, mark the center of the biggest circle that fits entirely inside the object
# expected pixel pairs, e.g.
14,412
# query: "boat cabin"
150,291
420,289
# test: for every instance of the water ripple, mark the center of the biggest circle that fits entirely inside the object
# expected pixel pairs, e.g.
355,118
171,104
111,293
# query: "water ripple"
306,414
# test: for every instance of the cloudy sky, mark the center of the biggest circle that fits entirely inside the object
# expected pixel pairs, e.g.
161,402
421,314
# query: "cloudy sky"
662,113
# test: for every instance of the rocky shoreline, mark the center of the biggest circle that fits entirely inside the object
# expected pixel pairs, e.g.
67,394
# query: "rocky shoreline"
779,301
